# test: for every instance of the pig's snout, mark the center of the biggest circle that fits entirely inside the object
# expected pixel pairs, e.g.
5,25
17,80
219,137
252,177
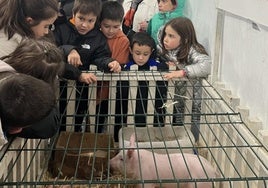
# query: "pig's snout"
114,166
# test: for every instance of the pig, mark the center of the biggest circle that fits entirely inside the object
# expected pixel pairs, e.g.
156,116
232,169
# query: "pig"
143,164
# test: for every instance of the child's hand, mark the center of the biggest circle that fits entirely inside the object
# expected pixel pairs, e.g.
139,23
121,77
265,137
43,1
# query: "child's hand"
171,63
88,78
74,58
114,66
143,25
174,74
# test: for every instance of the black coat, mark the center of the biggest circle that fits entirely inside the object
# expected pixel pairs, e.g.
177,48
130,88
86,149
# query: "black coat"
92,47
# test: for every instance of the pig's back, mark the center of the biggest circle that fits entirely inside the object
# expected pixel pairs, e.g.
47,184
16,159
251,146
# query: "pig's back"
198,166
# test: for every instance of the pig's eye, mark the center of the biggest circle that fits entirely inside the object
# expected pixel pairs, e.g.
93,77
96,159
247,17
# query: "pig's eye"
121,159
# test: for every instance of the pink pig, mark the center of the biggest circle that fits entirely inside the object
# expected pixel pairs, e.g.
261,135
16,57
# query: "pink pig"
155,166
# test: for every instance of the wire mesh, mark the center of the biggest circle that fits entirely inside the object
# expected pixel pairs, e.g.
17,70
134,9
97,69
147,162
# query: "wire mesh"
81,158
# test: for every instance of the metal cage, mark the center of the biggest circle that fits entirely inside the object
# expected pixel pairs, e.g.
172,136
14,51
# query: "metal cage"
82,158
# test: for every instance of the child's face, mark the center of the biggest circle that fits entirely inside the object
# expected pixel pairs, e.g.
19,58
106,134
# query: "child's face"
84,22
141,54
110,27
172,39
42,28
165,5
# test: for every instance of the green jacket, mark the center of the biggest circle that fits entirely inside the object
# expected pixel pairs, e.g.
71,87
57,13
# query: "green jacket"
161,18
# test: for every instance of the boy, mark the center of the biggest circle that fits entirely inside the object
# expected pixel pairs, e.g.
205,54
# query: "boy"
84,44
24,101
111,19
142,50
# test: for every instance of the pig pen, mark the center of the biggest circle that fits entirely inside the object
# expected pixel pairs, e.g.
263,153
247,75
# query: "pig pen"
228,139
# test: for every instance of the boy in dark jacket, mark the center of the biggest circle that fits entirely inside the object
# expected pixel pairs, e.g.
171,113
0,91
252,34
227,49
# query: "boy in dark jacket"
142,50
84,44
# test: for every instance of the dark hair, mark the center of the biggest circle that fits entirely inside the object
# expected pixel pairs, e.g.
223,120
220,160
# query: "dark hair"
87,6
24,100
112,10
143,38
184,27
38,58
13,14
174,2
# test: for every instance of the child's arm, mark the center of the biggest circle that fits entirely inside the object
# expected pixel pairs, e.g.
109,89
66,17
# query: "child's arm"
88,78
114,66
102,58
74,58
200,64
175,74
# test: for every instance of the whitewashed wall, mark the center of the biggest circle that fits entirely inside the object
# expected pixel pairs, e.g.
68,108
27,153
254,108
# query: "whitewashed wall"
235,33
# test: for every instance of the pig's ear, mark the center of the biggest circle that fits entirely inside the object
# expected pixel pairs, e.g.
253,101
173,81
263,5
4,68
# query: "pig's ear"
132,140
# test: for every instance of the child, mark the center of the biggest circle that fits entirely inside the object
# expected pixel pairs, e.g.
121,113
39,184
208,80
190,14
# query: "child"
111,18
168,9
38,58
142,50
179,45
24,18
84,44
24,101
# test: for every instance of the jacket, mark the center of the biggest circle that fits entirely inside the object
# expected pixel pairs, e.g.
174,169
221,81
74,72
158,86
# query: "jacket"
199,65
92,47
119,46
161,18
7,46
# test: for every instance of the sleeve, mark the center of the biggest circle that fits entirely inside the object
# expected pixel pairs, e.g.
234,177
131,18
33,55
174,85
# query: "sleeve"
71,72
135,4
58,38
121,54
102,56
200,65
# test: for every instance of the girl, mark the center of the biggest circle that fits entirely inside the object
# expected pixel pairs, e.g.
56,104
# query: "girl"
24,18
168,9
179,46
